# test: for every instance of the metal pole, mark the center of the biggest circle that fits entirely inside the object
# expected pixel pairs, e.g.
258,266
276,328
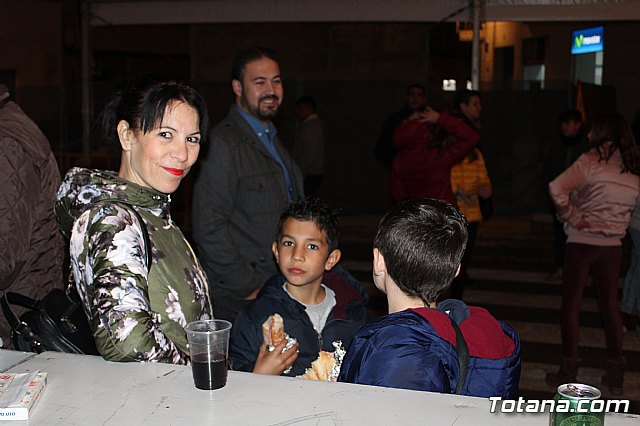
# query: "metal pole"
85,73
475,46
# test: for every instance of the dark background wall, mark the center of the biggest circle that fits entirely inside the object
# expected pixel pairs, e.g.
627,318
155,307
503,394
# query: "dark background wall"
357,71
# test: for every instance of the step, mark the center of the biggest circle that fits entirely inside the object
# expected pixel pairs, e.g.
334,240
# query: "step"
533,386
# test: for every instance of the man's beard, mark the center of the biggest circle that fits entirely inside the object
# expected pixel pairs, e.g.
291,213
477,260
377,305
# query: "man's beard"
262,114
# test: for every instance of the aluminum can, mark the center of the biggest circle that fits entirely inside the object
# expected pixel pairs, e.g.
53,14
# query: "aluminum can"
573,393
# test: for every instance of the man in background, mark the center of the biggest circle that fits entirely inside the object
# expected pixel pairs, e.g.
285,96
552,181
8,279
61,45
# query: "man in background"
246,180
560,152
308,150
415,101
31,245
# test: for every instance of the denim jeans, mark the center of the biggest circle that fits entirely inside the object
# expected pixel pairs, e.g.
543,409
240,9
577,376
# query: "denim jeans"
631,287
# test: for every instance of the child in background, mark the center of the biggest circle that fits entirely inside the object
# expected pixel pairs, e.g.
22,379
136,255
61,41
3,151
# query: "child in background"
319,302
416,255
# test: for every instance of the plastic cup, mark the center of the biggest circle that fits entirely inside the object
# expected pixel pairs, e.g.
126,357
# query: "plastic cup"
209,349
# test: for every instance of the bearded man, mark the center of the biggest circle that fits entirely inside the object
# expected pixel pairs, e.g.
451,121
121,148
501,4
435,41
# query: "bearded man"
245,181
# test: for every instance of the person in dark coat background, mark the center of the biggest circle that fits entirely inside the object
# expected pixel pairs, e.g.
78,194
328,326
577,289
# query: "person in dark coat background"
560,152
415,100
31,245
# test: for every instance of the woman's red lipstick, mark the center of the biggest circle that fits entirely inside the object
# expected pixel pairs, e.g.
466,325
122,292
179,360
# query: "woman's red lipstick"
175,172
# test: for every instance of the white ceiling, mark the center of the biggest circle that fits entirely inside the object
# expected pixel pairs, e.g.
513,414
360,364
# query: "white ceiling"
134,12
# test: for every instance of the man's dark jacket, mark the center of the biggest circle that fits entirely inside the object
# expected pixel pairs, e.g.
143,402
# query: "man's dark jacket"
239,195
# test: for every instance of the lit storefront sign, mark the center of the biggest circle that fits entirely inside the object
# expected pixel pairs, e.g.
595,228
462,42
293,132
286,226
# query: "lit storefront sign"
588,40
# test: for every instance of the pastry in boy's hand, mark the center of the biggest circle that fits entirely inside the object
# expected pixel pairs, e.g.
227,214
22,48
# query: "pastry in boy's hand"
273,334
327,366
321,368
273,330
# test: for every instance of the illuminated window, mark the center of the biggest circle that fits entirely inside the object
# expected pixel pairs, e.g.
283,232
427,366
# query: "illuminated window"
533,75
449,85
597,71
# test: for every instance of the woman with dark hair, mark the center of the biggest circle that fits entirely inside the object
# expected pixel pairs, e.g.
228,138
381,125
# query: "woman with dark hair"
118,221
594,198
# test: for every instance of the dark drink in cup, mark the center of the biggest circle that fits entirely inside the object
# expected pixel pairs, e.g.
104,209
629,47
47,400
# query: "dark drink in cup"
209,349
209,372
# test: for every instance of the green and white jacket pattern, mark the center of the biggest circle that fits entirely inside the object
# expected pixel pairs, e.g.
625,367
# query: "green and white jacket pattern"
136,313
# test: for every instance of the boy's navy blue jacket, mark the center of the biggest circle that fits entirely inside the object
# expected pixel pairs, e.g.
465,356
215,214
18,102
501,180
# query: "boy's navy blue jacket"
346,318
415,349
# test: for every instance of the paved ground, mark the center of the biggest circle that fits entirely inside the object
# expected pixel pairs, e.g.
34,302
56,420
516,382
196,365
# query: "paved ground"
512,260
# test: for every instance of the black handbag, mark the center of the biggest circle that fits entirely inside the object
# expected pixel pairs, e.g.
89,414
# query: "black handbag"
55,323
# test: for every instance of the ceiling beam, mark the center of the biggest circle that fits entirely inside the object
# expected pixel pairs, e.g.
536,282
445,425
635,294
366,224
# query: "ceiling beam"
138,12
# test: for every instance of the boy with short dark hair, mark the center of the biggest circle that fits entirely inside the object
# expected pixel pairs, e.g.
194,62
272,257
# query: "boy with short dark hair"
319,302
417,253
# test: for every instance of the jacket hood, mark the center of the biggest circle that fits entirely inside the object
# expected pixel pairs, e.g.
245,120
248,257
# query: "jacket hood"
82,189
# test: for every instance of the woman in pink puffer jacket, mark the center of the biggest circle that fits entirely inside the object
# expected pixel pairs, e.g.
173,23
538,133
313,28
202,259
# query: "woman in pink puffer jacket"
594,198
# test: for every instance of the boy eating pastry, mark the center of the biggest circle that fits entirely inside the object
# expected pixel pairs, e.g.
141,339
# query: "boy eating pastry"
320,303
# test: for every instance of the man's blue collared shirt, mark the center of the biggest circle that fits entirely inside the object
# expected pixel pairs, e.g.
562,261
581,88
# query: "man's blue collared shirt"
267,135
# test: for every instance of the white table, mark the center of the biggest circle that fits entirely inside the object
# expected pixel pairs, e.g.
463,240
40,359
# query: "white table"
9,358
86,390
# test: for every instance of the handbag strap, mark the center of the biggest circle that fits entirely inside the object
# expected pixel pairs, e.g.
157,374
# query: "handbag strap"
463,356
18,326
11,298
7,282
11,316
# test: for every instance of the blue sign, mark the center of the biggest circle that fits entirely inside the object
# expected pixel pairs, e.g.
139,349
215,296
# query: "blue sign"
588,40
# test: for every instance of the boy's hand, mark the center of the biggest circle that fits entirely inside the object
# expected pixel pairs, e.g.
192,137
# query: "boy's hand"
276,361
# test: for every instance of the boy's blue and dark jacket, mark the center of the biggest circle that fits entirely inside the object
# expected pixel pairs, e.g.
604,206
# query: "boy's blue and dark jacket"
346,318
415,349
